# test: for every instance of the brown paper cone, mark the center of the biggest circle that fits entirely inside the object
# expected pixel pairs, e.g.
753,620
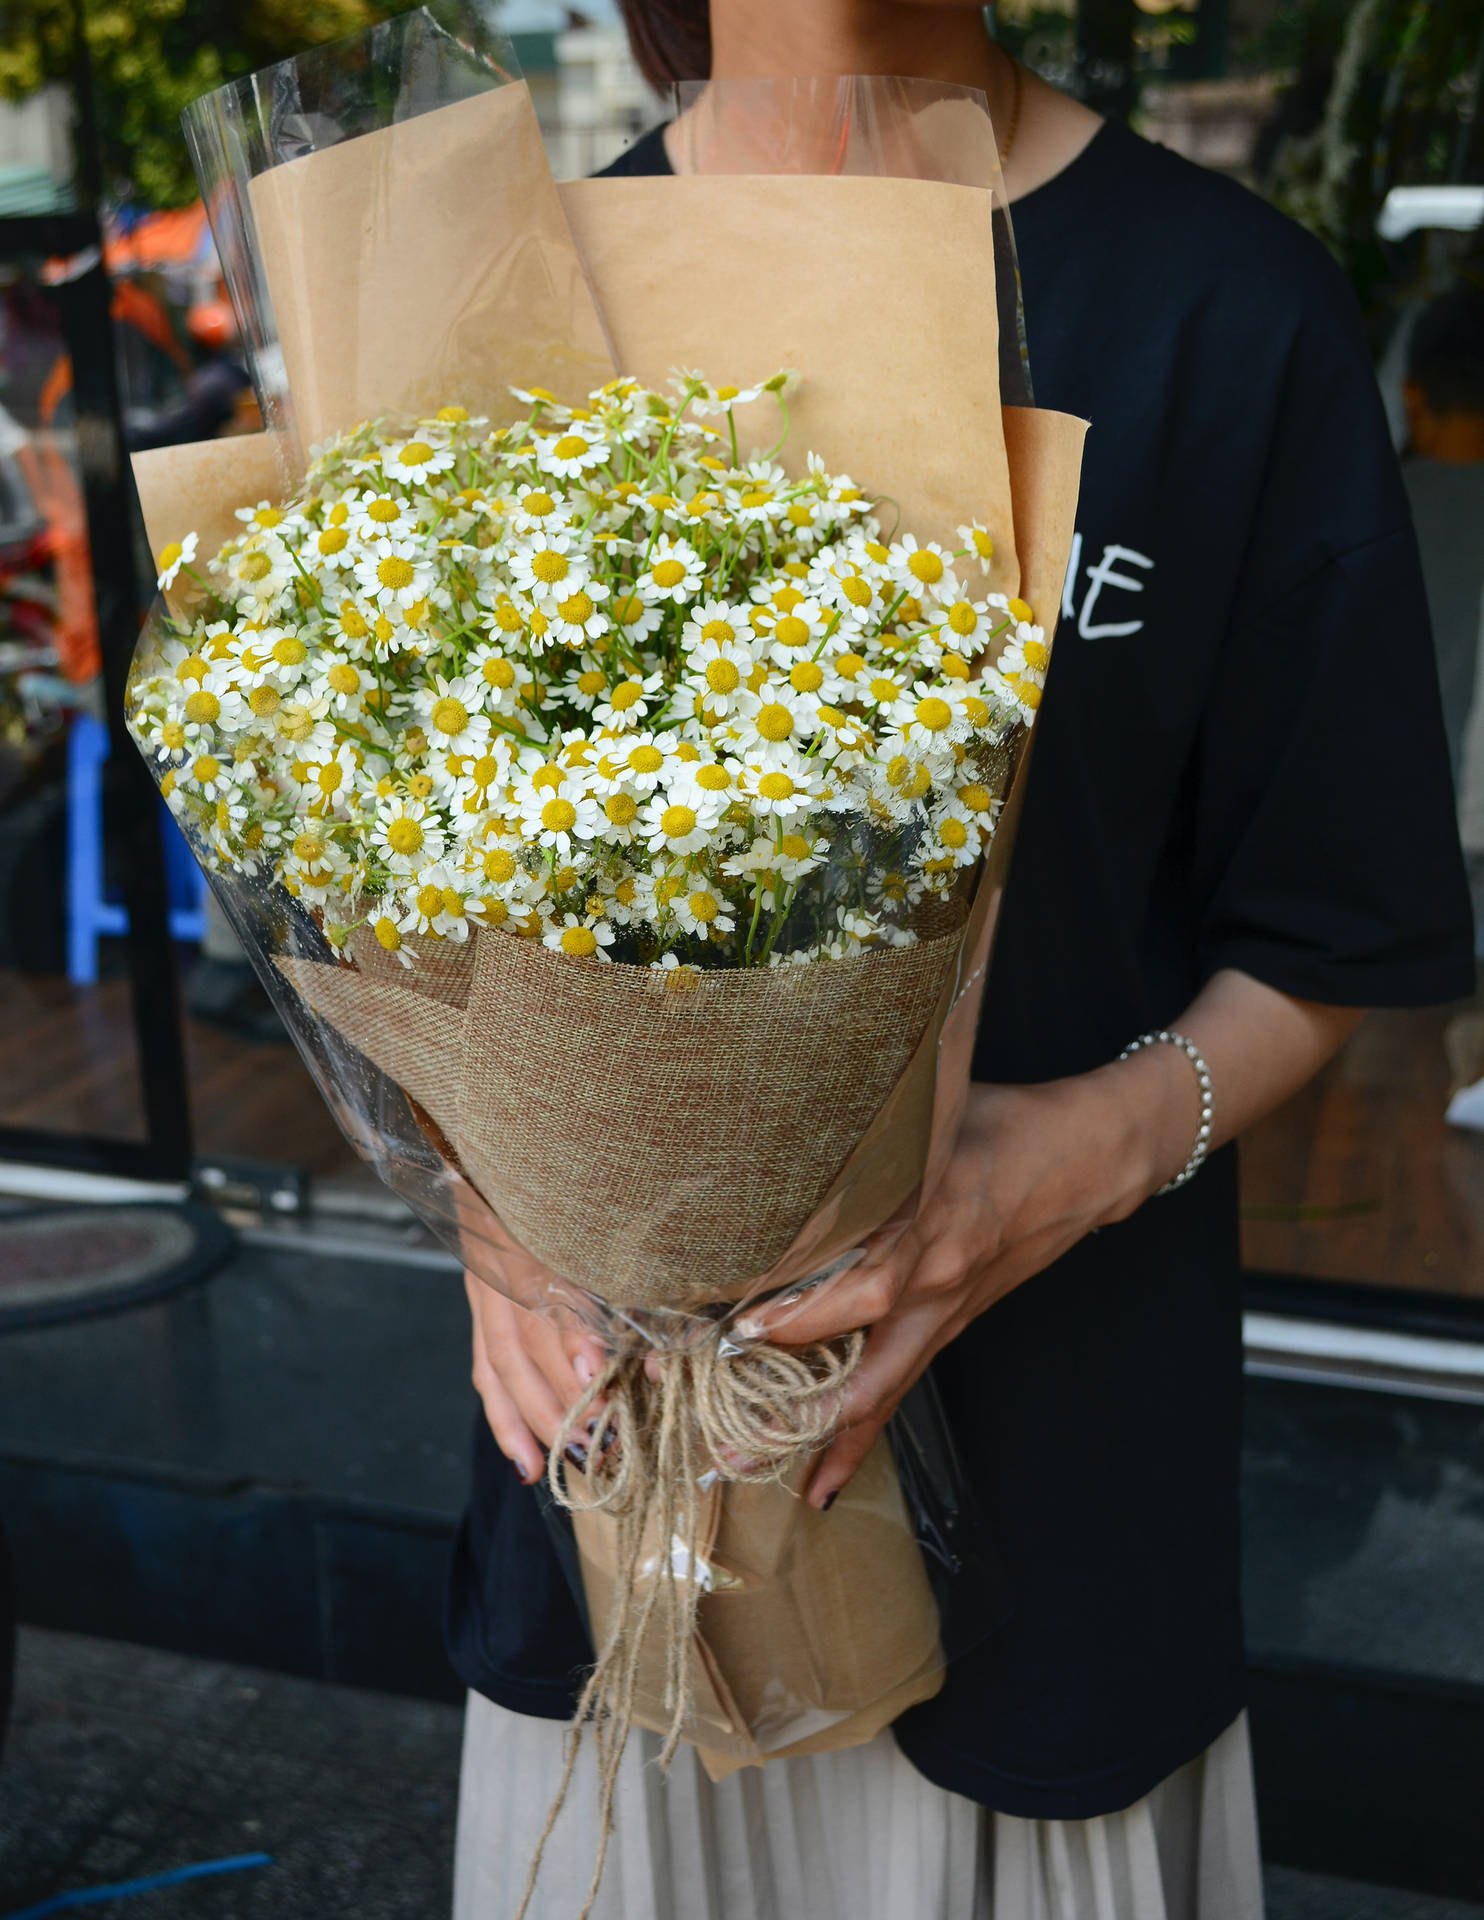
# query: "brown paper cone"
198,487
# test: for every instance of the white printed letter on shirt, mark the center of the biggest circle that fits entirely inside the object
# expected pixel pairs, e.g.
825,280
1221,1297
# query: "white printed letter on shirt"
1105,574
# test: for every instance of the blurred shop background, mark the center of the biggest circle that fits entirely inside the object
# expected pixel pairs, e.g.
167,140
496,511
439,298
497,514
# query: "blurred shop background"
233,1371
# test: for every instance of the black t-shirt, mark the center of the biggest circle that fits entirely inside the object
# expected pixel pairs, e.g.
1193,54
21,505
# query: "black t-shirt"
1239,763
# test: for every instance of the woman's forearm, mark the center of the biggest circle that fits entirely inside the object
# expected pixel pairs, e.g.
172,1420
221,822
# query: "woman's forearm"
1260,1045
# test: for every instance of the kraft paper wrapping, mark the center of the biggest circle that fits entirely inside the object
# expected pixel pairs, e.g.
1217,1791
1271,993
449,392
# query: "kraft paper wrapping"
737,276
425,263
199,486
821,1628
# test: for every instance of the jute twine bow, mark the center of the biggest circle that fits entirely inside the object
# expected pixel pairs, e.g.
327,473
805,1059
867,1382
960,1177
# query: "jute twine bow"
669,1415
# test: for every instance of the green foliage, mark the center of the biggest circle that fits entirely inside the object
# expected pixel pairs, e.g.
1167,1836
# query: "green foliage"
151,58
1401,109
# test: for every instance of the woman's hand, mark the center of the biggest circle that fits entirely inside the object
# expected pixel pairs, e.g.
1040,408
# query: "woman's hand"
1034,1169
527,1372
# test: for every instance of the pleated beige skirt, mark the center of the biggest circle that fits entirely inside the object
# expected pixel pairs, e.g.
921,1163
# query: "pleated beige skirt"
858,1835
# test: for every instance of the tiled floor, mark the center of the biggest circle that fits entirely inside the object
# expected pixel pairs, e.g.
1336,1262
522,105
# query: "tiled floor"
124,1762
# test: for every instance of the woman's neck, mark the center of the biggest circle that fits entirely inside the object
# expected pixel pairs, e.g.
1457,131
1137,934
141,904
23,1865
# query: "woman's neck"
763,39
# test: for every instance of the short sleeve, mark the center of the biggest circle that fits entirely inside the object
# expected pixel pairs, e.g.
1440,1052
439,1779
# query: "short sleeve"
1325,840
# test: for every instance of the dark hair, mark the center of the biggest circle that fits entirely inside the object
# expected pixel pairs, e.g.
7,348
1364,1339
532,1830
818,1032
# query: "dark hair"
671,39
1445,356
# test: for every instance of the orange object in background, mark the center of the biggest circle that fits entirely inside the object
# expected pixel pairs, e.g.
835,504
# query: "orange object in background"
59,501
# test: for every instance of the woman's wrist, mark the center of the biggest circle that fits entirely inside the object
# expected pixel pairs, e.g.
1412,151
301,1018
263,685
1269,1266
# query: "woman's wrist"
1153,1101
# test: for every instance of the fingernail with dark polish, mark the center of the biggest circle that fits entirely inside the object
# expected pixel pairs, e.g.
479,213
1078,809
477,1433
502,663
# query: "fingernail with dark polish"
529,1475
829,1500
577,1454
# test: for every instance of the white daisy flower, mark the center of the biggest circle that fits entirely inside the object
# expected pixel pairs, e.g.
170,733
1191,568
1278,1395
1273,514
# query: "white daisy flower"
627,703
416,460
178,554
557,819
407,836
536,510
673,827
581,937
574,451
673,572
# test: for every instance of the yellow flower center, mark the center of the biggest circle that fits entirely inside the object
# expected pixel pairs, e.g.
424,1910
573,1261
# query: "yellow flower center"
857,591
193,667
590,683
499,673
850,666
627,608
169,555
547,779
757,497
621,808
207,768
978,712
667,573
1037,655
962,617
713,779
485,770
953,833
172,734
953,666
417,453
646,759
508,620
254,566
417,614
202,708
569,447
801,513
793,846
383,510
806,676
883,689
429,901
289,651
351,623
450,716
774,722
624,892
677,822
917,783
1021,610
264,702
775,786
934,714
404,835
717,630
453,414
309,849
576,609
332,540
975,797
925,566
499,864
496,912
387,934
581,942
394,572
538,504
550,566
559,816
721,675
705,907
790,631
625,695
330,778
877,552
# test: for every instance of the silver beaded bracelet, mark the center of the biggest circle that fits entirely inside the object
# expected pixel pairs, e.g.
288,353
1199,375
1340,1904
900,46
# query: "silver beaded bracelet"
1164,1038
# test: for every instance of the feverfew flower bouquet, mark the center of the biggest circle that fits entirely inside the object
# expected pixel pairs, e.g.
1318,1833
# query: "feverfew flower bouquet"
594,679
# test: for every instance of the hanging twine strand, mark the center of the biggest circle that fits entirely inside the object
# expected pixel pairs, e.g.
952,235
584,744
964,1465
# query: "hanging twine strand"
748,1416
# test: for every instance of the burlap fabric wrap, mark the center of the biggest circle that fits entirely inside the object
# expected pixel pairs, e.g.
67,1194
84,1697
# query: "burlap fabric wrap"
666,1148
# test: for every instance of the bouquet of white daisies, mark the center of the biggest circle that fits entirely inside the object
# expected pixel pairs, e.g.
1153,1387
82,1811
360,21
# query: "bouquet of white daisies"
613,774
594,679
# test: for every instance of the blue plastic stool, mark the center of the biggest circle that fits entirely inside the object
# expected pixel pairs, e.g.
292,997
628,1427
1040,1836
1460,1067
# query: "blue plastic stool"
90,915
